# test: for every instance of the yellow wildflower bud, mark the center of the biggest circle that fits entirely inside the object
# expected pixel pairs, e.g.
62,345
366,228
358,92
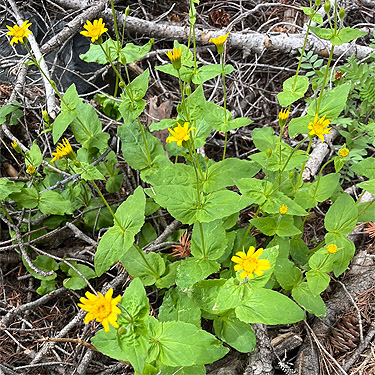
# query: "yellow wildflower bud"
342,13
283,209
16,147
283,114
30,169
45,116
175,57
332,249
344,152
219,42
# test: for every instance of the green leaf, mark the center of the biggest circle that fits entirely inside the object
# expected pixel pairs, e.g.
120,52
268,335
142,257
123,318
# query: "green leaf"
135,302
185,73
44,263
148,268
299,251
317,281
214,115
137,88
290,94
205,294
179,307
89,172
227,172
118,239
264,306
333,103
196,103
231,295
368,186
365,168
52,203
8,187
321,260
96,54
7,110
344,254
236,124
109,344
206,73
322,33
183,344
130,110
46,286
88,130
346,35
182,203
34,156
287,274
133,147
304,297
27,197
342,215
163,124
169,278
182,370
237,334
214,240
314,16
132,53
71,99
277,199
173,174
75,281
192,270
271,225
61,123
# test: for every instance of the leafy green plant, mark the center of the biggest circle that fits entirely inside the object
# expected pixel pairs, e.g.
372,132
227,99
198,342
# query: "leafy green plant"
221,275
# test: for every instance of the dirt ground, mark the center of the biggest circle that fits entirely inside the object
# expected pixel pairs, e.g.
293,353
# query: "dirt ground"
46,335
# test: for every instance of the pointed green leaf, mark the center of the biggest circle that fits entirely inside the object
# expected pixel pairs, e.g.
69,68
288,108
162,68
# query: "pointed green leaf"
264,306
118,239
294,88
304,297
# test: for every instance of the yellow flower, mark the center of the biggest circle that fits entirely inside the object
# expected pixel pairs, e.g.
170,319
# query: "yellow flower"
344,152
332,249
284,114
180,134
101,308
318,127
94,30
175,57
19,32
16,147
283,209
219,41
30,169
250,263
64,149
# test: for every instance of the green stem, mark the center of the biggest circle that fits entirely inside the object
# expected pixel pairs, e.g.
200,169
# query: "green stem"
303,166
6,212
196,173
225,101
324,80
315,190
248,230
202,238
145,142
285,165
141,253
108,206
